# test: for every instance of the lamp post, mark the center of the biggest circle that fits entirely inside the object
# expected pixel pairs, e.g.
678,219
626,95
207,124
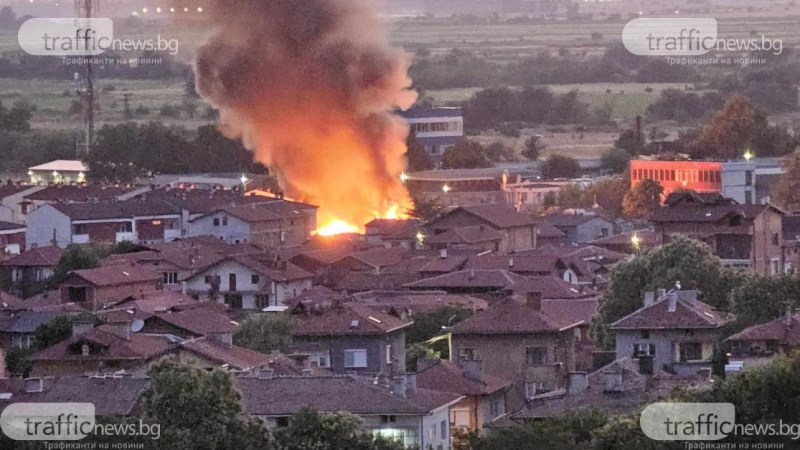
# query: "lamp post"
636,242
748,155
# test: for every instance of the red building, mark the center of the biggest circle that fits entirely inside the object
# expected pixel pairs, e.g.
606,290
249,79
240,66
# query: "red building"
699,176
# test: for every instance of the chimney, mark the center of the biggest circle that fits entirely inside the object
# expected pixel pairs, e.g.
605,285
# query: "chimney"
443,253
660,293
84,349
510,262
405,385
672,297
577,383
81,327
534,300
471,274
613,379
649,298
473,369
645,364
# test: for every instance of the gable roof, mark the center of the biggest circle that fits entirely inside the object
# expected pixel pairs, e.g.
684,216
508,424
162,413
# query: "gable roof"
481,279
111,396
466,235
201,321
512,316
343,319
264,210
785,330
115,348
117,275
36,257
285,396
237,358
571,220
447,376
551,287
525,263
689,313
500,215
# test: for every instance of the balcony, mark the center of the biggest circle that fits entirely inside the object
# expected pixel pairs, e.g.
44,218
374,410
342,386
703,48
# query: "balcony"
80,238
171,235
126,236
743,263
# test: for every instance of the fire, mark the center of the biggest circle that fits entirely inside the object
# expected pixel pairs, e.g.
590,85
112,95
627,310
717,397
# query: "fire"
334,226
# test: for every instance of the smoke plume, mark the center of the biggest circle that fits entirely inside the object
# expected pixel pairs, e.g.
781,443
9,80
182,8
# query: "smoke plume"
310,86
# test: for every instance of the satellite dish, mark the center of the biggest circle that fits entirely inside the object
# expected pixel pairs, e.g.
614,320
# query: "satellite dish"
137,325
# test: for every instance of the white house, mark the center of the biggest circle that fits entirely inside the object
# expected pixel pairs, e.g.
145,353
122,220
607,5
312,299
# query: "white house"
437,129
250,282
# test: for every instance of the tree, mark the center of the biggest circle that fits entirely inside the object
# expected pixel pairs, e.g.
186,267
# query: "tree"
76,257
314,430
265,332
787,191
499,152
491,107
533,148
51,333
616,160
465,154
686,260
759,299
573,430
559,166
608,195
426,208
418,158
729,132
8,19
643,200
198,409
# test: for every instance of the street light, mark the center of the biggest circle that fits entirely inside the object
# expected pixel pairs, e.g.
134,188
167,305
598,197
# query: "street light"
636,242
748,155
446,189
403,177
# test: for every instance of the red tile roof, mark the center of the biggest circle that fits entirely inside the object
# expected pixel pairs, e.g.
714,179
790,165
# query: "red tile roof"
783,330
500,215
446,376
551,287
523,263
514,316
466,235
114,347
481,279
688,313
343,319
201,321
36,257
238,358
117,275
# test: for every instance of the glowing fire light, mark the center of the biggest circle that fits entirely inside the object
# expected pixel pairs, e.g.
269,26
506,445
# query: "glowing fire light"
335,227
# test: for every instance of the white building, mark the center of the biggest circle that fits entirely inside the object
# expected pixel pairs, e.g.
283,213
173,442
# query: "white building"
58,171
750,182
437,129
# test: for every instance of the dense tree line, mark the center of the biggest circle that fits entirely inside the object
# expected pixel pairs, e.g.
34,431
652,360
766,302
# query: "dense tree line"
494,106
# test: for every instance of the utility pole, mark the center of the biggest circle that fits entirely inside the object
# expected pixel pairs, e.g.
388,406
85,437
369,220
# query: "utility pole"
86,9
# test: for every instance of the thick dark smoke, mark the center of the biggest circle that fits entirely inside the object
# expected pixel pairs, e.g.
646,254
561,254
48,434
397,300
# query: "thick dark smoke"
309,85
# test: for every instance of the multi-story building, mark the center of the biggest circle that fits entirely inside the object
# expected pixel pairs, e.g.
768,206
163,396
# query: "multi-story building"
750,182
698,176
436,129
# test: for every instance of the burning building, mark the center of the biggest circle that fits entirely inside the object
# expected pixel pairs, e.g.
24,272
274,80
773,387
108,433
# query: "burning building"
310,87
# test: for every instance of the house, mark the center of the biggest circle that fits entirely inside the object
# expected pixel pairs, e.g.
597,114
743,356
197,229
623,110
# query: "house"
436,129
477,237
392,233
17,328
452,188
416,417
12,238
531,196
12,203
633,242
484,396
31,268
675,328
517,340
750,182
107,222
271,223
103,286
58,172
253,281
468,281
779,336
350,338
75,193
742,235
520,229
581,228
622,387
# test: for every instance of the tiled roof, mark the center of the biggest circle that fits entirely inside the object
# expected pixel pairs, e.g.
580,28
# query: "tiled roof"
76,193
36,257
201,321
514,316
380,257
551,287
646,237
483,279
419,302
367,281
7,190
10,302
117,275
466,235
114,347
546,230
523,263
266,210
238,358
500,215
784,330
111,396
285,396
29,321
343,319
386,227
446,376
582,310
713,213
688,314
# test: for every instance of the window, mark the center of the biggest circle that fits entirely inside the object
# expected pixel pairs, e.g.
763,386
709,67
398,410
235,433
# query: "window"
536,356
496,408
262,301
645,334
79,229
170,277
125,227
775,239
748,178
225,221
432,432
466,354
233,300
255,279
691,351
443,430
216,221
388,419
322,358
644,349
355,358
282,421
388,353
532,388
